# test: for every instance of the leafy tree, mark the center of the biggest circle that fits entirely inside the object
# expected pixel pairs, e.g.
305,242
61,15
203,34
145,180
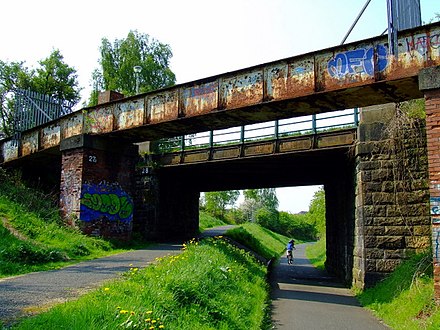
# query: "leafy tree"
317,211
261,206
53,77
265,197
120,57
217,201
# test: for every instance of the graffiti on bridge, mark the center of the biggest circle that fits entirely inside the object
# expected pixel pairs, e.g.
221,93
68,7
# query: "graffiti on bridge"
357,61
107,200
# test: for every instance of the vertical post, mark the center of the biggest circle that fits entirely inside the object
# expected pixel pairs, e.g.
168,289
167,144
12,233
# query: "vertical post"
242,134
392,27
314,123
356,117
211,139
182,143
429,83
277,129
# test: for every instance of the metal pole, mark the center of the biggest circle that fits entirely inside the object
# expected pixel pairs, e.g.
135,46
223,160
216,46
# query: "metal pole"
314,123
355,21
392,27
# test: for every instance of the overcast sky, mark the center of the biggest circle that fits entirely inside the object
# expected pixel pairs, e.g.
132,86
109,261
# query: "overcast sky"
206,37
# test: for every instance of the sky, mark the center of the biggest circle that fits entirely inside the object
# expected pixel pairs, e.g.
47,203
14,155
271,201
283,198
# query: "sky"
207,37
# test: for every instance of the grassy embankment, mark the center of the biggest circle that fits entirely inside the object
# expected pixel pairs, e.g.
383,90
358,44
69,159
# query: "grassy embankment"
32,236
404,300
210,285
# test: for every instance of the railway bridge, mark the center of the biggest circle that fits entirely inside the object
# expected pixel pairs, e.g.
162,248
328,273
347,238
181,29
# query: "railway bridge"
93,155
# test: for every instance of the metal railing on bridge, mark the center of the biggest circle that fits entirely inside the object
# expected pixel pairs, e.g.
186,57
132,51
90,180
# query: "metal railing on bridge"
273,130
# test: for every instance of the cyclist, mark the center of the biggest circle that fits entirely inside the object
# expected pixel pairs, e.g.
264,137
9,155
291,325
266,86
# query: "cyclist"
290,247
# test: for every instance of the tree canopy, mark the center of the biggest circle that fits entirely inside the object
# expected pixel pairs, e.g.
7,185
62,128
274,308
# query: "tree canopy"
217,201
52,77
118,59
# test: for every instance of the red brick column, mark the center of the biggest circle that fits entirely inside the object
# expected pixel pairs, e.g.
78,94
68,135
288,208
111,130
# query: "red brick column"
97,179
429,83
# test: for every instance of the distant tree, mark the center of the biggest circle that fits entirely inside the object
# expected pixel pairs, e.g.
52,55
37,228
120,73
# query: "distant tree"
317,211
53,77
118,59
217,201
261,206
265,197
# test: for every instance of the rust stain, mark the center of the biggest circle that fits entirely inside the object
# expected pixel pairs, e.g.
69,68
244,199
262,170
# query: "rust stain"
71,125
242,90
129,114
200,99
50,136
29,143
163,106
290,80
99,120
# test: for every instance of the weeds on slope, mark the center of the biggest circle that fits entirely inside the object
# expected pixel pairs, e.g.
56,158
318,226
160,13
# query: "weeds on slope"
404,300
210,285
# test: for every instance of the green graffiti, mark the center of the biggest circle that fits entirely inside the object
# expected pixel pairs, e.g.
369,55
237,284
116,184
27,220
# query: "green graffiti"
126,207
108,203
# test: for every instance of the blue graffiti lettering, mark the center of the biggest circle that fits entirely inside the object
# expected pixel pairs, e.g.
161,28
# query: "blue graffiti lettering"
358,61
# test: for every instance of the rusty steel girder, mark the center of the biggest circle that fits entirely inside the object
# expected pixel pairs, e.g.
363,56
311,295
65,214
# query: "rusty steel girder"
353,75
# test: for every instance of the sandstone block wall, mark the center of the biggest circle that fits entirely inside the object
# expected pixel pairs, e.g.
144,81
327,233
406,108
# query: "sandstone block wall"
392,200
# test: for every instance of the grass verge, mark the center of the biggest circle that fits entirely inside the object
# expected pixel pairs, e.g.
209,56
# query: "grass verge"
404,300
33,237
261,240
210,285
317,253
207,221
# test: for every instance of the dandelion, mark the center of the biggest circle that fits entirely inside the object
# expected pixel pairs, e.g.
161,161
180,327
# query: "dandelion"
123,311
151,328
130,265
161,326
153,321
148,320
106,289
132,313
149,312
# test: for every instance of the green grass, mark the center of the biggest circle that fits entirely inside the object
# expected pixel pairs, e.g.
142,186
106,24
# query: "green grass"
404,300
261,240
211,285
317,253
207,221
32,235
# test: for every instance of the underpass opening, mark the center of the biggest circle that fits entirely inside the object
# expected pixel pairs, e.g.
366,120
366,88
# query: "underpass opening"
333,168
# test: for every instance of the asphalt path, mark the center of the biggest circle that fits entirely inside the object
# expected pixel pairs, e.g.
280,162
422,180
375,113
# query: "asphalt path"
304,297
32,293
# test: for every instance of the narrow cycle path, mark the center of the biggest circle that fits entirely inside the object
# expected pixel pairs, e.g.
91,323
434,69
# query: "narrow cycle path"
32,293
304,297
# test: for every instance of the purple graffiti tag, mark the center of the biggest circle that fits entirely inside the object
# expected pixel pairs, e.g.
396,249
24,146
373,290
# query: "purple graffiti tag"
357,61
